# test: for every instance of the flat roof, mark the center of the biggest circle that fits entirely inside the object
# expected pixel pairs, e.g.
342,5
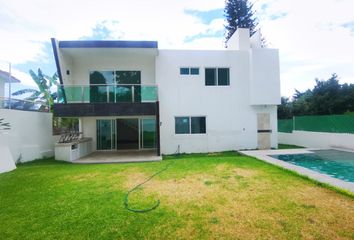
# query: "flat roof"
107,44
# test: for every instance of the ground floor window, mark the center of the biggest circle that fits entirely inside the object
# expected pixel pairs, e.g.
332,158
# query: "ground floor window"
190,125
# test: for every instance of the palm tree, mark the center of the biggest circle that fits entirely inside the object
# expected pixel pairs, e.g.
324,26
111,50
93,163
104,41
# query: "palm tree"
44,84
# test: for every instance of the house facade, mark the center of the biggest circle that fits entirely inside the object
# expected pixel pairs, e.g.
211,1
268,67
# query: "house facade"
131,95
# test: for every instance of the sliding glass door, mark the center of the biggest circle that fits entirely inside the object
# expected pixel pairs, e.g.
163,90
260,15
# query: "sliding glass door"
148,133
106,134
126,133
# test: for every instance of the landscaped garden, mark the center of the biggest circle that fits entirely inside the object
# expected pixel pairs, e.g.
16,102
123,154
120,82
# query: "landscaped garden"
214,196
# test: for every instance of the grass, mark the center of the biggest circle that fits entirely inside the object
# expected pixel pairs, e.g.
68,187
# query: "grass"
214,196
288,146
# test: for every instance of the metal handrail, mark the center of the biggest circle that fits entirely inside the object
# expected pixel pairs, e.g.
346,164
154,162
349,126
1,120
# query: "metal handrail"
11,101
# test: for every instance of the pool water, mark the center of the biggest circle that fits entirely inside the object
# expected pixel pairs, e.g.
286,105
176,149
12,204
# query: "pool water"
335,163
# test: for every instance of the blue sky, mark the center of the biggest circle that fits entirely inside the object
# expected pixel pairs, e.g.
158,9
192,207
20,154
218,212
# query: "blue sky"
315,38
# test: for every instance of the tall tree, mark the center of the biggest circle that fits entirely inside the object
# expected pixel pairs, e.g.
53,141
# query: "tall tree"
239,13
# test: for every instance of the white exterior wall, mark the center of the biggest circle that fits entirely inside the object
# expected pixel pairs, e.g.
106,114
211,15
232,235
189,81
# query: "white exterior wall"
108,60
317,139
265,77
30,136
231,122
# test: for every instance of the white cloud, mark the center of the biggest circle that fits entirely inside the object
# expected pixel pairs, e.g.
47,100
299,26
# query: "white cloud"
311,39
309,34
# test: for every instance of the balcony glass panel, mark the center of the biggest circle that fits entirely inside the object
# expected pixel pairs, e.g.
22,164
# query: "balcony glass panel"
106,93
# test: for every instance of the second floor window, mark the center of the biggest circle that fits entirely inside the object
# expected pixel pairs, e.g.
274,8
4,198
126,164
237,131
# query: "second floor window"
217,76
189,71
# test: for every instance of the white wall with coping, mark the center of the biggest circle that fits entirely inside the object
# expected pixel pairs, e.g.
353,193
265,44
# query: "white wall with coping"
30,136
318,139
7,162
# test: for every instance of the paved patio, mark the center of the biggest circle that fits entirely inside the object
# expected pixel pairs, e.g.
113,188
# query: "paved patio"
120,157
264,155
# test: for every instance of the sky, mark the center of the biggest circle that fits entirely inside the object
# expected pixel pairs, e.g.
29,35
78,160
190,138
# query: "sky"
315,38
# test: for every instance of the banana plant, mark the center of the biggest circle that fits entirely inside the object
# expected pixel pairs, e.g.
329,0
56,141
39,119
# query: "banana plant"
44,84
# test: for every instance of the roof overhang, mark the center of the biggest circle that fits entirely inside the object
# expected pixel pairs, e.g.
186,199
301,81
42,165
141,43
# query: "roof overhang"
108,44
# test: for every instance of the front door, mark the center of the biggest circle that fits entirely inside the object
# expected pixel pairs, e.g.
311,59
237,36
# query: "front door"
127,133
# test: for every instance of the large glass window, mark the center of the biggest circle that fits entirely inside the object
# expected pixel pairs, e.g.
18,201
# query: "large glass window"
210,76
105,134
190,125
100,92
223,77
128,77
182,125
217,76
198,125
148,133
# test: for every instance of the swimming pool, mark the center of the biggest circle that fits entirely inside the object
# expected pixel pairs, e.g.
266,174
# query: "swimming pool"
335,163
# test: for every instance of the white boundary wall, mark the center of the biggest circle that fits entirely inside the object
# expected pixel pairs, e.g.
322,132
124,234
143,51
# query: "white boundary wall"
317,139
30,136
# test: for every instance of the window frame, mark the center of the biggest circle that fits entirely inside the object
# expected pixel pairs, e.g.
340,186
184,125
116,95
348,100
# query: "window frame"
189,71
190,124
217,76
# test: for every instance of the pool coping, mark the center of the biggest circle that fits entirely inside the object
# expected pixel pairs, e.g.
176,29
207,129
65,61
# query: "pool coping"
323,178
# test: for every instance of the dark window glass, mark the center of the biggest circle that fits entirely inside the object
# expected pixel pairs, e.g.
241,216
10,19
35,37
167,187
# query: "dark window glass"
182,125
184,71
194,71
210,76
102,77
223,77
198,125
128,77
98,92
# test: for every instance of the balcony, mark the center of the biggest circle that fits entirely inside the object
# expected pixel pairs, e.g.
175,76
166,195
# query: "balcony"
106,93
106,100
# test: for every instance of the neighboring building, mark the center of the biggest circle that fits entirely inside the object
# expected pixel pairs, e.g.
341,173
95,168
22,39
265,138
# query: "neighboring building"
132,95
4,78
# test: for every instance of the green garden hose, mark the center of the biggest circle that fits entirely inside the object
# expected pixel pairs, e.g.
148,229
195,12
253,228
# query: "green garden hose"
126,198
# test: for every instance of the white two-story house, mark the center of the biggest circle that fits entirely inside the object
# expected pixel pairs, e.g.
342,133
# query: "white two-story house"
131,95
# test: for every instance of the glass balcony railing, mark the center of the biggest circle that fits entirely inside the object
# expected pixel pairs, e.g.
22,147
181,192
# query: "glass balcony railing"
24,105
98,93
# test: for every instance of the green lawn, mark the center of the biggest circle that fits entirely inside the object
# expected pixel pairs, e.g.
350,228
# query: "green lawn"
215,196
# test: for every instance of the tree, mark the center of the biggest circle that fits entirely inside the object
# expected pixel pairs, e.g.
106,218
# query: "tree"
327,97
44,84
238,13
285,110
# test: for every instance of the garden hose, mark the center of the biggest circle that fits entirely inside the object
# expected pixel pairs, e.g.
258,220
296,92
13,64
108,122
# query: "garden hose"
126,198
